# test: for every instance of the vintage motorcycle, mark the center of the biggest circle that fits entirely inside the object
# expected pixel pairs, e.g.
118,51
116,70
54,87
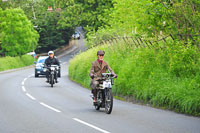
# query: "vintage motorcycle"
53,73
104,93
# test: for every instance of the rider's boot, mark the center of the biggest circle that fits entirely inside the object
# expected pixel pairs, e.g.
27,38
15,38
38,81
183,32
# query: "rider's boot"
47,76
95,100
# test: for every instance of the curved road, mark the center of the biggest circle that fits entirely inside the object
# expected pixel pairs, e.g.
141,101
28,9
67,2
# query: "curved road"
29,105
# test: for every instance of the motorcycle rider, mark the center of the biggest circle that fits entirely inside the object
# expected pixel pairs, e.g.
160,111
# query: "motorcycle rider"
98,67
51,60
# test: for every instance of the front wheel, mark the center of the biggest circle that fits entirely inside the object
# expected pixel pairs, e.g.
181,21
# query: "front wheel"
52,80
108,101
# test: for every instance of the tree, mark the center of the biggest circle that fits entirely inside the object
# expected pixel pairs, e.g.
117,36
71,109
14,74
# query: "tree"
51,36
151,18
17,34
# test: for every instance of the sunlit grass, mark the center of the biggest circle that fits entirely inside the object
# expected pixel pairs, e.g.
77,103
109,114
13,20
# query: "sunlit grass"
7,63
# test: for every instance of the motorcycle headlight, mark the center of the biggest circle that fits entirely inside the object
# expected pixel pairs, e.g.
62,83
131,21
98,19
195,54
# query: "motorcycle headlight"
52,68
44,69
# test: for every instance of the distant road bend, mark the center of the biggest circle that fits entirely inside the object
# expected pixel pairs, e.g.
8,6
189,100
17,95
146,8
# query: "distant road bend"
29,105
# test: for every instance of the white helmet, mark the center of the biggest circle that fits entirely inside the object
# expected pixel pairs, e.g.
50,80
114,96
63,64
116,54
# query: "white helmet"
50,52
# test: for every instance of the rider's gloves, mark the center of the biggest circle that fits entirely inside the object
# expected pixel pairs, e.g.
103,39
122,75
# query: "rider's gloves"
115,76
92,76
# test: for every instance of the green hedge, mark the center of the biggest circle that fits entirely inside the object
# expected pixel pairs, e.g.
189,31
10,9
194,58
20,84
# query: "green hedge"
166,77
15,62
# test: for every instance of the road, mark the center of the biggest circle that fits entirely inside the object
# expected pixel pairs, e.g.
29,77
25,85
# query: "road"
29,105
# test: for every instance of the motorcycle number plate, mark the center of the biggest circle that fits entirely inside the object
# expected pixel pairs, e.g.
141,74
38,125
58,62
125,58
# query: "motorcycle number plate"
107,85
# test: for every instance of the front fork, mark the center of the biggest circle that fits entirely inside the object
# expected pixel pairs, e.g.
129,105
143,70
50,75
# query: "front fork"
100,97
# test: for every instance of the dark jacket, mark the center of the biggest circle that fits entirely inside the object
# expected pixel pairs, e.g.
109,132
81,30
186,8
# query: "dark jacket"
52,61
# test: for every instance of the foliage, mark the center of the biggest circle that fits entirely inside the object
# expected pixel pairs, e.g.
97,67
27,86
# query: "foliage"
167,77
51,36
87,13
71,16
61,23
17,34
15,62
151,18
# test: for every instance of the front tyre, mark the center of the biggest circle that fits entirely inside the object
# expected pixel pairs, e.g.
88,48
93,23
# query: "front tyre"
108,101
52,80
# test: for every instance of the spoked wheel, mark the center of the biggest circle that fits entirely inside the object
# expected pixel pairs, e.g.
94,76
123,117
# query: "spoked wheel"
52,80
108,101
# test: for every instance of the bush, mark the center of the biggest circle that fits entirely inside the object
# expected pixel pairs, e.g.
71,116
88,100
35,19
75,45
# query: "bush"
15,62
165,77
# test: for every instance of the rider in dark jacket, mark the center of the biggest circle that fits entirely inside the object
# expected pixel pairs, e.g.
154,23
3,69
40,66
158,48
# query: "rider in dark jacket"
51,60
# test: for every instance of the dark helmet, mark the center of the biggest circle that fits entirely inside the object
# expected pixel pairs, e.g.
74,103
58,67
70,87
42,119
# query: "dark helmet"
100,52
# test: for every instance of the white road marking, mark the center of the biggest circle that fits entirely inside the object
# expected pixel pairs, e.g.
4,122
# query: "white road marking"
64,63
24,89
56,110
31,97
90,125
30,75
25,79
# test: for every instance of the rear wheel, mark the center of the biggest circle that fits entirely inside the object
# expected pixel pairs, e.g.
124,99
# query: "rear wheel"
108,101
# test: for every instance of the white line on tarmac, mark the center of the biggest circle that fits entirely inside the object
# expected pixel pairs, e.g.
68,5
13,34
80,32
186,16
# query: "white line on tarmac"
64,63
31,97
92,126
30,75
22,82
25,79
24,89
56,110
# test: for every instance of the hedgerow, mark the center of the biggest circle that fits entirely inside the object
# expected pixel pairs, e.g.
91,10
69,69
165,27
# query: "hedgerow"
167,76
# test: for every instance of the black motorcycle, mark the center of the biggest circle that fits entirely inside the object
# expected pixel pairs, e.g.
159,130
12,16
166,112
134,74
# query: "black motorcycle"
104,93
53,71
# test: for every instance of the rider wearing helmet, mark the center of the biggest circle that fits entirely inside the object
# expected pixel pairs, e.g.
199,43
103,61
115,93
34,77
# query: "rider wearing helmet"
51,60
98,67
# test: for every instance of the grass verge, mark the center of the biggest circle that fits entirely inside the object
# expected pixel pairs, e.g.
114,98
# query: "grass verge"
15,62
167,77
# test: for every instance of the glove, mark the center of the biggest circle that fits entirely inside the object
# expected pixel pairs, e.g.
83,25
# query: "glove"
92,76
114,75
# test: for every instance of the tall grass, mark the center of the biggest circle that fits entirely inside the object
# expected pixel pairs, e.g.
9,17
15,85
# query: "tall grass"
165,77
15,62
